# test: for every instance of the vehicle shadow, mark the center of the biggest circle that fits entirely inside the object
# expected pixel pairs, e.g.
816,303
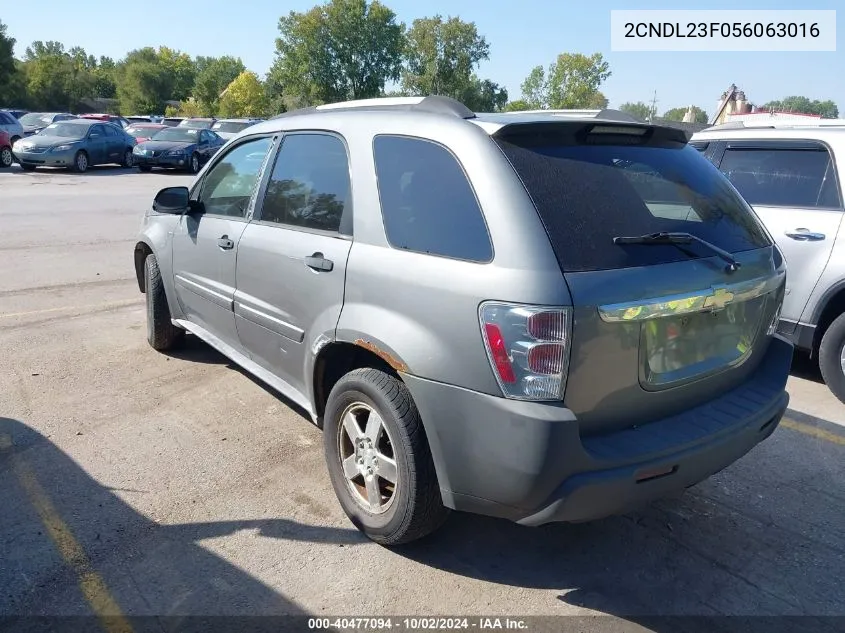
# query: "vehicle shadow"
70,546
195,350
762,538
98,170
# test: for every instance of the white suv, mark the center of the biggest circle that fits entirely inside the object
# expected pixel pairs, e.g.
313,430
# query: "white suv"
791,175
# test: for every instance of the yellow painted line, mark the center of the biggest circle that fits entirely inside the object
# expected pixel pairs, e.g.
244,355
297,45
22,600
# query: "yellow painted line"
813,431
92,306
90,582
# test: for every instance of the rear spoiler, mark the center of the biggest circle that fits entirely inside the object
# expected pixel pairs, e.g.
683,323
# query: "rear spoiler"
592,131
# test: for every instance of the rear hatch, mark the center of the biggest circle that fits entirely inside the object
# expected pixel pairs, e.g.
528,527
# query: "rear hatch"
658,327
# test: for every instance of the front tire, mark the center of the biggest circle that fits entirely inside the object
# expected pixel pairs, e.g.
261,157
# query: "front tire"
832,357
80,162
379,460
194,165
6,157
161,333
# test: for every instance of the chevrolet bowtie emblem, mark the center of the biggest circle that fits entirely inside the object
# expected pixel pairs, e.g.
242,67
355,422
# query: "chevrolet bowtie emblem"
720,298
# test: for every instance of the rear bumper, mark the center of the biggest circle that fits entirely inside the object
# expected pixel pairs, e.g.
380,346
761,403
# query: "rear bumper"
528,463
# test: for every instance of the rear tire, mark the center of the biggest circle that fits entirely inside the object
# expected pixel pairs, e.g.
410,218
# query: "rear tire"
161,333
832,357
6,157
145,168
128,159
411,507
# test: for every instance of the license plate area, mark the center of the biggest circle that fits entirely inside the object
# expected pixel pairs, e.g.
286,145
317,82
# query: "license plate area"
681,348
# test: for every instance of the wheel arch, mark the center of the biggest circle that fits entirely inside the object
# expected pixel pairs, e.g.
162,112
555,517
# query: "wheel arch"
142,250
830,307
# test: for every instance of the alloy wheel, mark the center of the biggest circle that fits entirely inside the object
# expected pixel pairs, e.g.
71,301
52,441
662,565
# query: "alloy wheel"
6,158
81,162
367,459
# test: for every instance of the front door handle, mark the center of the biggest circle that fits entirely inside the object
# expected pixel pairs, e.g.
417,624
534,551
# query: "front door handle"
318,262
225,243
805,235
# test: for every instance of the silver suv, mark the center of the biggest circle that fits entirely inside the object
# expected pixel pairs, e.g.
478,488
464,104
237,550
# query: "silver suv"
792,176
536,317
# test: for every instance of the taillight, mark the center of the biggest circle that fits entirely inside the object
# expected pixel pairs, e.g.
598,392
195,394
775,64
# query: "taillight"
528,348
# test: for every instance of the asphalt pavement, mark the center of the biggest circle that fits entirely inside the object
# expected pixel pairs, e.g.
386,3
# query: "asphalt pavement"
138,483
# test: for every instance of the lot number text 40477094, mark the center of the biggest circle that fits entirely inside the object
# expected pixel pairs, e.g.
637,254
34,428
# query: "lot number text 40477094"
418,623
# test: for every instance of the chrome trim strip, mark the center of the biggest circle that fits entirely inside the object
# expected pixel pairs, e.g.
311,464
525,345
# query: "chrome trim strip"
712,299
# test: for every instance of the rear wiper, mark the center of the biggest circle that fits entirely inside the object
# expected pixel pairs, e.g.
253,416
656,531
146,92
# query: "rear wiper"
680,238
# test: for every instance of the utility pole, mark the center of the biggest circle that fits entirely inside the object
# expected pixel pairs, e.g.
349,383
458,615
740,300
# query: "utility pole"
653,112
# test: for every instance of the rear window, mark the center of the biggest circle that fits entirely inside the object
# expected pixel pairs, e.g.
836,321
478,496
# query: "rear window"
588,194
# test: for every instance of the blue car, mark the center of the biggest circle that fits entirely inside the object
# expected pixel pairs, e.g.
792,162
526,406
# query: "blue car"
183,148
76,144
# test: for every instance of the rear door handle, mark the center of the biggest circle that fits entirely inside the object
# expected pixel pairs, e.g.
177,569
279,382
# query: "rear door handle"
318,262
805,235
225,243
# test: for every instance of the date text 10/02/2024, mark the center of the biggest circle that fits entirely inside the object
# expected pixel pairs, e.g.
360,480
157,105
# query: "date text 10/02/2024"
721,29
418,623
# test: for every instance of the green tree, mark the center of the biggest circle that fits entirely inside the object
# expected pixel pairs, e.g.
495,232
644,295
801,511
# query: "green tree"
8,68
826,109
441,56
483,95
105,85
212,76
143,83
678,114
572,81
517,106
340,50
57,79
597,101
181,68
244,97
638,109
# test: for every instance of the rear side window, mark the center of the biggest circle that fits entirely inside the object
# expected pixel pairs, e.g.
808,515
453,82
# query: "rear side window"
6,119
803,178
427,203
309,186
588,194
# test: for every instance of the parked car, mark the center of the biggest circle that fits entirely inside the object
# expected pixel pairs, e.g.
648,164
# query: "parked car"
177,148
6,157
15,112
34,122
139,119
229,128
144,131
172,121
533,317
792,176
76,144
10,124
111,118
198,123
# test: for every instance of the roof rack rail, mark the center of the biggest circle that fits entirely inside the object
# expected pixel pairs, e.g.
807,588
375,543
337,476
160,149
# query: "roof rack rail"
435,104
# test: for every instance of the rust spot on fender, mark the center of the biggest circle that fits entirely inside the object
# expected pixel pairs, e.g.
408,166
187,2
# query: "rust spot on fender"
397,364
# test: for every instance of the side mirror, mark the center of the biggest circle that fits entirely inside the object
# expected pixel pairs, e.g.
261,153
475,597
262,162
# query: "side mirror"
175,200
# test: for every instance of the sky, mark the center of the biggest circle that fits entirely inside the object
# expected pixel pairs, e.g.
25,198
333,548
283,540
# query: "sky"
522,34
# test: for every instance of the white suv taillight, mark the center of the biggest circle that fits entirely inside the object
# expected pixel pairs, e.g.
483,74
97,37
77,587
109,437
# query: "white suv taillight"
528,348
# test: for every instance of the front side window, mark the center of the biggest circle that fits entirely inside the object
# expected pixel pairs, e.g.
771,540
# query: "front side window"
309,186
427,203
229,185
803,178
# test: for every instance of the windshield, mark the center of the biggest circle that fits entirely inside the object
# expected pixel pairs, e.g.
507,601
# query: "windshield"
69,130
633,190
230,126
180,134
195,124
142,132
36,119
